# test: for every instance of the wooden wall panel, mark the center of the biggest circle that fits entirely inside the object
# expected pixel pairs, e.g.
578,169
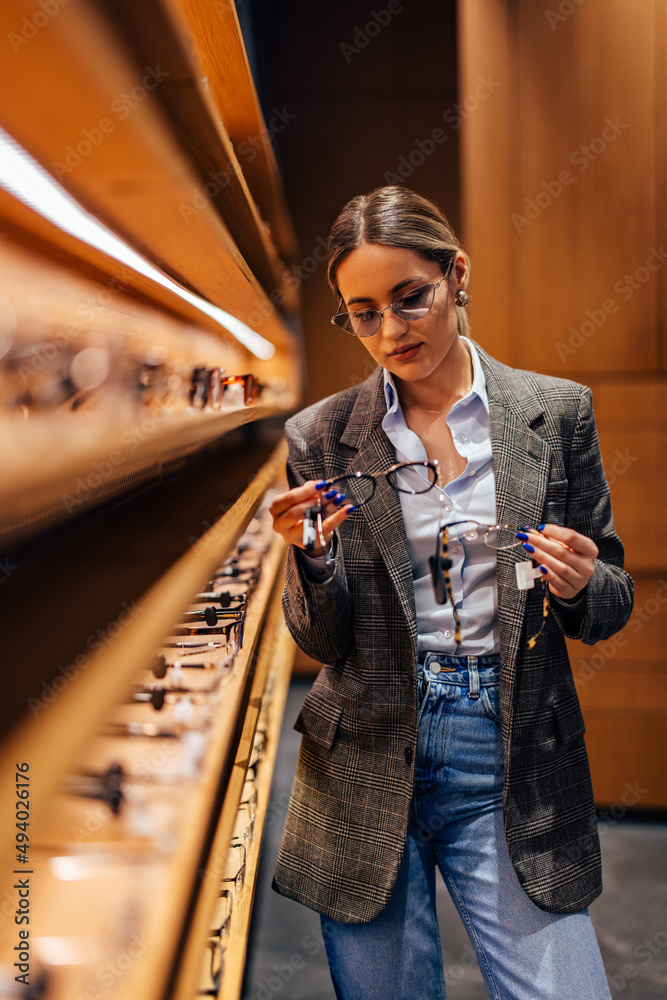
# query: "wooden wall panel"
585,107
485,48
560,216
567,278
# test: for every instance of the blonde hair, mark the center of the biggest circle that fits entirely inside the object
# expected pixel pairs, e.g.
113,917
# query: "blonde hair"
394,216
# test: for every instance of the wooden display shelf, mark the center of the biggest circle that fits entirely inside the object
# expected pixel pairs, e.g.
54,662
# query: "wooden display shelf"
136,174
54,741
57,467
240,925
274,664
174,877
216,37
156,32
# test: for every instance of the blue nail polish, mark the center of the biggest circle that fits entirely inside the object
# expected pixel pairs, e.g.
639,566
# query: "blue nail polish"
350,509
544,569
320,486
522,536
541,527
528,548
330,495
339,499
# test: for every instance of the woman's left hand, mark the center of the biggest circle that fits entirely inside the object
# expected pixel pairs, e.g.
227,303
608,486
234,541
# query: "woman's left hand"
569,558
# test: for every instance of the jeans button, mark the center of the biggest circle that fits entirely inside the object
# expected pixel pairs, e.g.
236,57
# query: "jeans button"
435,667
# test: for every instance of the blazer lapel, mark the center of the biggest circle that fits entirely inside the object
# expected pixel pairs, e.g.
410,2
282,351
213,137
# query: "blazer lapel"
374,453
521,466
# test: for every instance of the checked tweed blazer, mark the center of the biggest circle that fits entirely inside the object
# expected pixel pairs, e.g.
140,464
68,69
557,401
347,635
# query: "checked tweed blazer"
348,815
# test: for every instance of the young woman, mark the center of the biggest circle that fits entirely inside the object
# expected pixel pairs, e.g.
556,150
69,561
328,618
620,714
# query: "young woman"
444,729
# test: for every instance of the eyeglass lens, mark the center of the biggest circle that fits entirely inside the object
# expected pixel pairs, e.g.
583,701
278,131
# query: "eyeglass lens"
414,305
496,536
410,477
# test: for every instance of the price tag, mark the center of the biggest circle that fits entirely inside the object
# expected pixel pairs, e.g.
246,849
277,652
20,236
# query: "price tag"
526,575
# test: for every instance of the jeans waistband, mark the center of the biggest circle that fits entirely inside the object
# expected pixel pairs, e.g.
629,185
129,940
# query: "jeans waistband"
471,672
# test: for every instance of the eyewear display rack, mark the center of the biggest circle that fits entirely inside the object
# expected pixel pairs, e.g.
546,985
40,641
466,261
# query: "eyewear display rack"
134,411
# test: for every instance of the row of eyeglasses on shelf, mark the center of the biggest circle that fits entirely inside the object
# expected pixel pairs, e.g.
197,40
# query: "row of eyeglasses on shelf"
151,751
230,880
47,376
177,697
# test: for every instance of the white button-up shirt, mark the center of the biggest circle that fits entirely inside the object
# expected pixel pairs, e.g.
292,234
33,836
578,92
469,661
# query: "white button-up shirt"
470,496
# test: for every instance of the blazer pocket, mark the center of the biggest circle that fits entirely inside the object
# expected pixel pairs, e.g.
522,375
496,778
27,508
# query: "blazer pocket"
319,718
569,722
555,501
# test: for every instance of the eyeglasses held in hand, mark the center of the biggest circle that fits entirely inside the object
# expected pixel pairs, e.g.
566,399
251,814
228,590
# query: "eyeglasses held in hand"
494,536
412,305
405,477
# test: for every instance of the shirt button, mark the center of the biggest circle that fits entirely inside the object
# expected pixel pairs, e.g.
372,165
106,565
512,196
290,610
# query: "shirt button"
455,550
455,597
462,437
408,755
435,668
448,634
449,507
472,473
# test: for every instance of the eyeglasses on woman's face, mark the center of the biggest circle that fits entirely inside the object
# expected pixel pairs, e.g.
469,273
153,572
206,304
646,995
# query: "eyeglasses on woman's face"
412,305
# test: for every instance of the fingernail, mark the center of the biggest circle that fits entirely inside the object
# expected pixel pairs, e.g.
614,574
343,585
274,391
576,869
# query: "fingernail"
544,569
339,499
527,547
522,536
351,508
541,527
330,495
320,486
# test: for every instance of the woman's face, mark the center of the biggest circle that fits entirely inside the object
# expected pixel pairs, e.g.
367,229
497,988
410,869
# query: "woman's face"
373,276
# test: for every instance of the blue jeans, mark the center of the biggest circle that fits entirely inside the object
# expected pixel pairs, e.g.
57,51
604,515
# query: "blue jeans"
456,823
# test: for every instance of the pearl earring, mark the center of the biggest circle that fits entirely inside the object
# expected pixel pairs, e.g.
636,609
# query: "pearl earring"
461,298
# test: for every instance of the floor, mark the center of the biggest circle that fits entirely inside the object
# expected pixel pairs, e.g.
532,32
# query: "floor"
286,957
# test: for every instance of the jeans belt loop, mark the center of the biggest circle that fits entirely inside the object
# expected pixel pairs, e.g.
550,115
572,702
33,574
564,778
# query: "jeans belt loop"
473,677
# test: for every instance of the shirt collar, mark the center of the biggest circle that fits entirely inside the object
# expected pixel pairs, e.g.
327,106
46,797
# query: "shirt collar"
478,388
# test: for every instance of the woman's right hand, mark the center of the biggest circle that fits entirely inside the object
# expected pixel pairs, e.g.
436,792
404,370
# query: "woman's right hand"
288,509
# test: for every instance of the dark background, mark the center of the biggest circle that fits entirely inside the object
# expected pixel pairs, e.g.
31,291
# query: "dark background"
356,114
